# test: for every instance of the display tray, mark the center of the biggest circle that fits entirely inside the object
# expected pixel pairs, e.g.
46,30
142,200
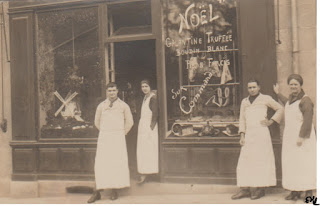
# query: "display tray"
196,135
68,132
207,128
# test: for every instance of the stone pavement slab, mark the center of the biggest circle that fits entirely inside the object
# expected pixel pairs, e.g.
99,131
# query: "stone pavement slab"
224,198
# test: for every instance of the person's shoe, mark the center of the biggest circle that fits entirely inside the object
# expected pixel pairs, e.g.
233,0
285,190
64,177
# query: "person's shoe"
143,179
241,194
95,196
298,194
308,194
294,195
257,194
114,195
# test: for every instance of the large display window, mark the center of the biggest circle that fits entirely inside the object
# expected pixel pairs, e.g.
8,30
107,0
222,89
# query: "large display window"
202,67
69,72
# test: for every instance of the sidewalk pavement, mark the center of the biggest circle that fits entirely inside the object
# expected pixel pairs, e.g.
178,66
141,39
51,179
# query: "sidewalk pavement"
163,193
153,199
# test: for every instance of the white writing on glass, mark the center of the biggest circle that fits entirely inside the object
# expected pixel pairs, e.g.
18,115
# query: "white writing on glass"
187,41
181,52
219,96
196,19
199,40
193,102
218,38
211,62
175,94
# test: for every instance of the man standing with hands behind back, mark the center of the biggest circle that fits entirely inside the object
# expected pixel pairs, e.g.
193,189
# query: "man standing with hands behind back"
114,120
256,165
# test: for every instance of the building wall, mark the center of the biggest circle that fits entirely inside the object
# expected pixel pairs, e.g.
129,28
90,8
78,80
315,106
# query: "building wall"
306,26
5,103
306,30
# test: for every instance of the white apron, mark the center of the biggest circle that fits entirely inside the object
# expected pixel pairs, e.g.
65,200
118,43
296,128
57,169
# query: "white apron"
256,165
299,165
111,163
147,143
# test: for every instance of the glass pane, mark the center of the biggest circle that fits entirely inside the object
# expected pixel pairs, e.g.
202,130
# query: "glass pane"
202,67
130,18
69,72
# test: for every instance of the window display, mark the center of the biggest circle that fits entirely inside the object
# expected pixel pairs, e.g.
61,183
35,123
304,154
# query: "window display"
69,72
202,67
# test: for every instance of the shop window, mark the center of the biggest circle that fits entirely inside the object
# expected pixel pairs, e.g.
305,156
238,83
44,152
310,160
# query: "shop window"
129,18
202,67
69,72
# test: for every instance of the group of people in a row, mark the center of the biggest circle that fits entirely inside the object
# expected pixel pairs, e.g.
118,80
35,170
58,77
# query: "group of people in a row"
256,166
114,120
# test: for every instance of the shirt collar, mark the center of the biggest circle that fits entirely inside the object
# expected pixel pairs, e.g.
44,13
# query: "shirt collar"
293,98
252,98
108,102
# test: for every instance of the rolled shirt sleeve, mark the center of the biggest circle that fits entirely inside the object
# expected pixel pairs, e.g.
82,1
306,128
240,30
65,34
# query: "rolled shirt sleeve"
276,107
282,98
306,108
128,119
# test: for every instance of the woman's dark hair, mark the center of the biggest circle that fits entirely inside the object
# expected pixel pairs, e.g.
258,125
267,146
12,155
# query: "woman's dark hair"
146,81
254,80
296,77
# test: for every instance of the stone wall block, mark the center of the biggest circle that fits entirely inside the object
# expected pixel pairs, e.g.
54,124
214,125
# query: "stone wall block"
307,39
286,42
307,15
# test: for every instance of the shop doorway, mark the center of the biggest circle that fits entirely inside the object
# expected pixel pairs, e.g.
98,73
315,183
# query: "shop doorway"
131,62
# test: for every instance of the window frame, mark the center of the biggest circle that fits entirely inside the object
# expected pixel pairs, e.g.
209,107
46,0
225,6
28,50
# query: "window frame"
238,64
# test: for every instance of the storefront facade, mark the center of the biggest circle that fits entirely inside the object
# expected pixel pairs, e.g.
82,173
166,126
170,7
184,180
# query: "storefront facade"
197,54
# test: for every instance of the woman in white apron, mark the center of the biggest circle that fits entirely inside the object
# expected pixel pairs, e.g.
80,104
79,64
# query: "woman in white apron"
299,141
256,164
147,141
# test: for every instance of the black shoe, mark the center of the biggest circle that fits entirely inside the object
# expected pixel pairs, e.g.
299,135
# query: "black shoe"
257,194
95,196
241,194
308,194
294,195
114,195
298,194
142,180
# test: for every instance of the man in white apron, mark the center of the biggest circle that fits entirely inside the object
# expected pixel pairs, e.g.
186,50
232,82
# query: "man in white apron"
114,120
256,164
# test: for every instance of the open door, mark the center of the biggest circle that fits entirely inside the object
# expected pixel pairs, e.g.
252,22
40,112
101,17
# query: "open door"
130,62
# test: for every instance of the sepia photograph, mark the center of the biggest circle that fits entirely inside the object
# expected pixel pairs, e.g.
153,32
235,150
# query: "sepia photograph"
158,102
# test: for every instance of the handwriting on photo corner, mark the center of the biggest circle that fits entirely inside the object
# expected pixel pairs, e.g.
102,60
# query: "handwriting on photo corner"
312,199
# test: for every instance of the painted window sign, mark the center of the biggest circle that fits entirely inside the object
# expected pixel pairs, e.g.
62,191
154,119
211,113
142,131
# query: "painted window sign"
202,60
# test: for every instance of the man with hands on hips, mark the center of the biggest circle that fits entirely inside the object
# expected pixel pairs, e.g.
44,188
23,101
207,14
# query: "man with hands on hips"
256,166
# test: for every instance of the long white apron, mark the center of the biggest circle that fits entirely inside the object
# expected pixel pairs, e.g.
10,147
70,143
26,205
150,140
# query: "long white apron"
299,165
111,162
256,165
147,143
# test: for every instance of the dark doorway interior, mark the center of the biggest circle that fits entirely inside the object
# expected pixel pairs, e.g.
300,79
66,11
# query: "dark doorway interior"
134,61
